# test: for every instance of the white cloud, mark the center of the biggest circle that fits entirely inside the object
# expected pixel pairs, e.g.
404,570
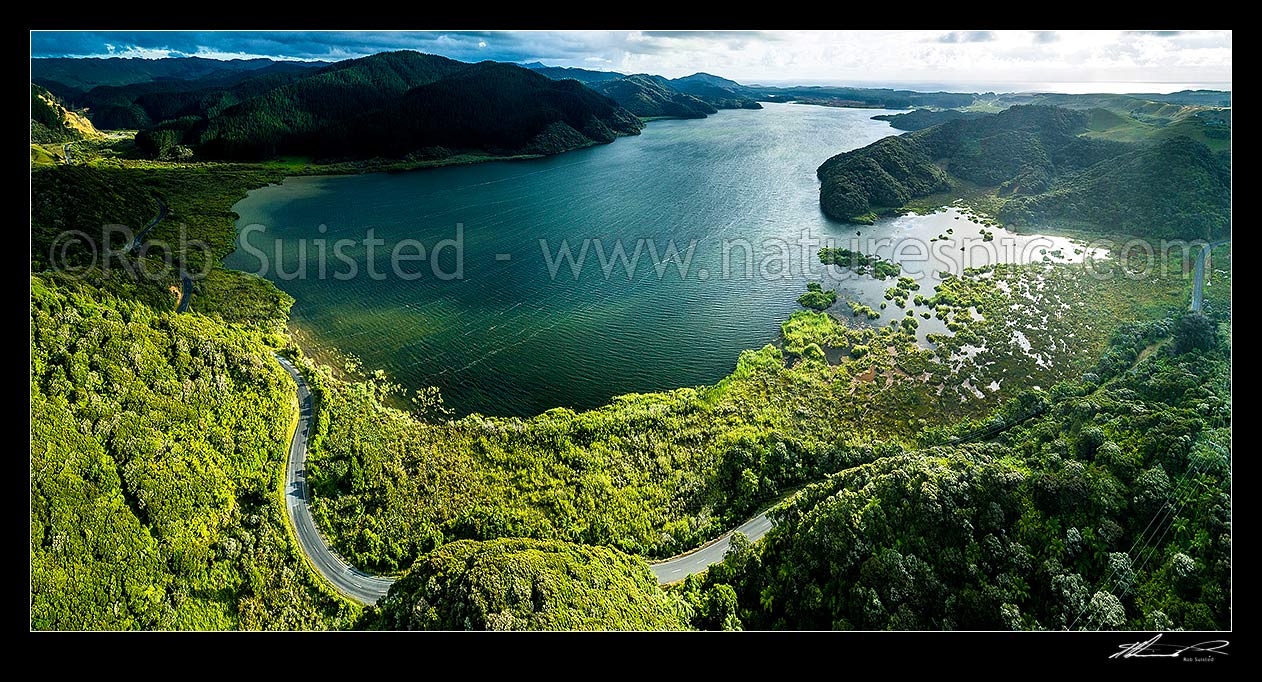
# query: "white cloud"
133,52
941,56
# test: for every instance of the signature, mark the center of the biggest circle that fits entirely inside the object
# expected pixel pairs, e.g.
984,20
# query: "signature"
1153,649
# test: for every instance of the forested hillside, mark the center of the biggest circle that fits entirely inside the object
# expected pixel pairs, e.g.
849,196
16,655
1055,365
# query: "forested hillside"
919,119
141,105
586,76
1036,161
66,75
80,199
519,584
1175,188
719,92
391,105
652,96
492,107
649,95
156,449
1111,510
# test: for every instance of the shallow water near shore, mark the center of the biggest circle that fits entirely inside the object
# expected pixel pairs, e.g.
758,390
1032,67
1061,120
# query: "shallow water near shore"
522,329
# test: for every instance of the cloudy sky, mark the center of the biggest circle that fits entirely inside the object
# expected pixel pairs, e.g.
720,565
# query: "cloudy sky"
975,56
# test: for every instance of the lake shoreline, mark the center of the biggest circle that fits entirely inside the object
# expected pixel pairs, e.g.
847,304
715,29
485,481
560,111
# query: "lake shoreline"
489,341
622,191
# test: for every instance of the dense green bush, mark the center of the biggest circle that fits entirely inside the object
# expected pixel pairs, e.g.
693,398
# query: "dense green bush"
157,443
519,584
816,298
386,105
1020,532
1041,168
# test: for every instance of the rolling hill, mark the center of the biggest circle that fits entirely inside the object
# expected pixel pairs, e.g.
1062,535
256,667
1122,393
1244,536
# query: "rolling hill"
651,96
919,119
392,105
718,92
1041,166
524,584
585,76
1026,531
65,75
140,105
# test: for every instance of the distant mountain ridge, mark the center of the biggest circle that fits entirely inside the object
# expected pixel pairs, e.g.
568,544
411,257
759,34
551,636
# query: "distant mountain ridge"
392,105
719,92
80,74
581,75
141,105
882,98
650,95
711,80
919,119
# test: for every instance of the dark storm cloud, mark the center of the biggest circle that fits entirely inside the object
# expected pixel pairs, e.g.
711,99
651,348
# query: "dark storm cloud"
1045,36
967,37
1159,34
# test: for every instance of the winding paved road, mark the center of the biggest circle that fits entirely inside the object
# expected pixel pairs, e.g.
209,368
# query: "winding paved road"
140,236
367,589
186,293
357,585
698,560
1198,286
186,283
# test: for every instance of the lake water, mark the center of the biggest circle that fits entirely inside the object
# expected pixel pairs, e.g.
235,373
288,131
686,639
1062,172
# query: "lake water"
518,332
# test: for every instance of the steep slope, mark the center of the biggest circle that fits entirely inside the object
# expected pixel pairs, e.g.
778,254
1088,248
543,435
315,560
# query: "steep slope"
394,105
718,92
1175,188
51,122
889,173
646,95
80,199
1038,160
492,107
650,95
283,119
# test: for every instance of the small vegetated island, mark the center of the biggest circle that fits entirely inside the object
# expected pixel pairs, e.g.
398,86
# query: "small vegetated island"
1059,460
859,262
816,298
